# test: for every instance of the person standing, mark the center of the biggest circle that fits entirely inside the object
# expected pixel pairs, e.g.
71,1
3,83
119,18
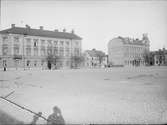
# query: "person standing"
4,68
56,117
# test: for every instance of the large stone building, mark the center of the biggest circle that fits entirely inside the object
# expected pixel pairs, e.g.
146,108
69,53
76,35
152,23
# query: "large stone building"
126,51
27,47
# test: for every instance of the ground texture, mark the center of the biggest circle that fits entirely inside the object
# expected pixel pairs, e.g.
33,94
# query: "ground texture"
115,95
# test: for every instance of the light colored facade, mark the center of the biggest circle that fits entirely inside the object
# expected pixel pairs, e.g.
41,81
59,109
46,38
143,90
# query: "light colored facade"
26,47
127,52
95,58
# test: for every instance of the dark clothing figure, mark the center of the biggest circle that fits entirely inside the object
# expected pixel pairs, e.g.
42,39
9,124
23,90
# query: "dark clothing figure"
56,117
4,69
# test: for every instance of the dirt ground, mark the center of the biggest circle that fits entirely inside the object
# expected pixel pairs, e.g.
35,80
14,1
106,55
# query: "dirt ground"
114,95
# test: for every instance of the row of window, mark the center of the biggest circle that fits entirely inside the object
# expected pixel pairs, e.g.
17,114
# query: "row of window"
43,42
61,51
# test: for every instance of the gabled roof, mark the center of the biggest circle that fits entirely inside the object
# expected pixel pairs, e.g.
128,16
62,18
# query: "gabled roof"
39,32
95,53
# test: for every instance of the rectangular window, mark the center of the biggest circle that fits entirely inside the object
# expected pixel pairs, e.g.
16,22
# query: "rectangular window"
55,43
4,49
35,42
67,52
16,39
42,42
67,43
49,43
5,39
16,50
56,51
35,51
28,51
61,51
62,43
42,52
28,42
76,52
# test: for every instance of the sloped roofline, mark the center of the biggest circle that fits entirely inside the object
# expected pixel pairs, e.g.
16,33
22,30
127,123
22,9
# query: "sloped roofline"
39,32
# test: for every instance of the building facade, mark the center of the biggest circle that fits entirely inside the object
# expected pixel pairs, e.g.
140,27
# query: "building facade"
95,58
26,47
159,57
128,52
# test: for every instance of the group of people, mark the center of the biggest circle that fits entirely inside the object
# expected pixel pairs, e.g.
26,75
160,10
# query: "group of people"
55,118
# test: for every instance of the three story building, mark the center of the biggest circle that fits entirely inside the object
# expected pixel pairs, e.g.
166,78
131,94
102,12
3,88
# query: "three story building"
27,47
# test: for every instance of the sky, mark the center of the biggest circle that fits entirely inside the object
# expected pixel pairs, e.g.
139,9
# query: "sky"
96,21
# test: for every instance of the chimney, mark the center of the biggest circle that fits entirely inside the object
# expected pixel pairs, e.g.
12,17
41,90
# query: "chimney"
12,25
64,30
72,31
27,26
41,27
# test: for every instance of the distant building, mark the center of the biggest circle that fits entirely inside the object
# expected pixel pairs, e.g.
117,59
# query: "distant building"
126,51
159,57
95,58
27,47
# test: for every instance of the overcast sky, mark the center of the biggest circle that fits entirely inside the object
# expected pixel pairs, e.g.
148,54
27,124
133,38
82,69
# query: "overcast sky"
95,21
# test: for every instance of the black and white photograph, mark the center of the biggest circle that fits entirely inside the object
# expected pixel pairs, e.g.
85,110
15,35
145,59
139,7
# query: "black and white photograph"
83,62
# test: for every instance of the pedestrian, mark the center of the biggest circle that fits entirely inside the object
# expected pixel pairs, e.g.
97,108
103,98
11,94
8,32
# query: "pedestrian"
56,117
4,68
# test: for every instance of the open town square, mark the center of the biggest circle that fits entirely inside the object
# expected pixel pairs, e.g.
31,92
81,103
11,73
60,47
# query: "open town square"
102,95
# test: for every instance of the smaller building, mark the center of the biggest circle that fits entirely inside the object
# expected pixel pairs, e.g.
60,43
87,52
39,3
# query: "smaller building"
95,58
159,57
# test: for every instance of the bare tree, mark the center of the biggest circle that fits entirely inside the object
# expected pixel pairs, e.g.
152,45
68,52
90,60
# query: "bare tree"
76,61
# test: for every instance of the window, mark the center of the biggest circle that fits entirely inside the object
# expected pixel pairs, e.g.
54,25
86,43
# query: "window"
4,49
61,43
16,50
49,51
28,41
35,42
56,51
55,43
67,43
35,51
42,42
76,43
76,51
16,39
61,51
28,51
5,39
42,52
49,43
67,51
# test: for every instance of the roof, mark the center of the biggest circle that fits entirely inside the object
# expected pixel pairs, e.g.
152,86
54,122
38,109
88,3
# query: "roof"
127,40
40,32
95,53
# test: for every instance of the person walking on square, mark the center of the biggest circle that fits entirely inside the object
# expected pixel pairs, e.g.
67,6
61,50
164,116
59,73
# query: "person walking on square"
4,68
56,117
